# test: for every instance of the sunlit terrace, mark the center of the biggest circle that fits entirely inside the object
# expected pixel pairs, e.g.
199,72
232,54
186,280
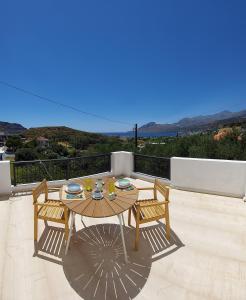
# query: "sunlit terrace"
205,257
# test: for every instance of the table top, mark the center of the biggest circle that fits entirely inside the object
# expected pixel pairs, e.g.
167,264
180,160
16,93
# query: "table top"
89,207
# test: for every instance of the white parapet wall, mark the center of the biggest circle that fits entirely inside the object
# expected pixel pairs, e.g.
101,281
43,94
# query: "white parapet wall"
221,177
122,163
5,178
215,176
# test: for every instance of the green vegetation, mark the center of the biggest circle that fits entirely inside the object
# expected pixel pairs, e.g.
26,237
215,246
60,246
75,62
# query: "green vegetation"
64,142
227,144
77,138
14,142
232,146
26,154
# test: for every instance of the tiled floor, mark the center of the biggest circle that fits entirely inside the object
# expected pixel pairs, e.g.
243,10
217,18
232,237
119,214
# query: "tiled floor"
205,259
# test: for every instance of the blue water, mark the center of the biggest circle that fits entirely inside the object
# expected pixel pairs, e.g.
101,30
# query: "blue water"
141,134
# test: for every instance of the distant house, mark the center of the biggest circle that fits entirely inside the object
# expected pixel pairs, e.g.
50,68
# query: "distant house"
42,141
8,156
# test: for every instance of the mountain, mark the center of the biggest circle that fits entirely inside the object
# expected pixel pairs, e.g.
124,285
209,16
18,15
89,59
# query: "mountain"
61,132
200,120
11,128
203,122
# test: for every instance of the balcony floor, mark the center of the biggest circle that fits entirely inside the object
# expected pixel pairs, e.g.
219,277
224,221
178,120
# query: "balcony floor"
205,259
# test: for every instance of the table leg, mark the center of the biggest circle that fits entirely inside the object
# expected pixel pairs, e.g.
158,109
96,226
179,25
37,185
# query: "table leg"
123,221
120,217
70,231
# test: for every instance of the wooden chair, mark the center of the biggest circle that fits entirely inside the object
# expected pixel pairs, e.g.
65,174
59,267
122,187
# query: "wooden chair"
49,210
150,210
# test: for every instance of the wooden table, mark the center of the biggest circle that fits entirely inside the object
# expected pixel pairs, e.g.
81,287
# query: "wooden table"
89,207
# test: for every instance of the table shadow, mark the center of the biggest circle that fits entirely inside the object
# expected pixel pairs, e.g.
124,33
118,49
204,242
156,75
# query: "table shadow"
95,266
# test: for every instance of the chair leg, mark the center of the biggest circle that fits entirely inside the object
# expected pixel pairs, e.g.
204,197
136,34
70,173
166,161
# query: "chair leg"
129,217
66,231
167,227
137,235
66,223
35,224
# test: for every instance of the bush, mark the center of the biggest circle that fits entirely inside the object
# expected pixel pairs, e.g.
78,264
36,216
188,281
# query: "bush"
26,154
59,149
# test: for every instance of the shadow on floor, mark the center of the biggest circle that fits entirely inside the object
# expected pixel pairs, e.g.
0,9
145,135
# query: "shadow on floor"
51,244
4,197
94,265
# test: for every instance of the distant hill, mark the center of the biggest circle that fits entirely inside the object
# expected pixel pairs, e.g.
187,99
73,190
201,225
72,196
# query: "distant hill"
206,122
11,128
61,132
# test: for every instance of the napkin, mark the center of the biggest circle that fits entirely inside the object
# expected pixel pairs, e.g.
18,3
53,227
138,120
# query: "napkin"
129,188
71,196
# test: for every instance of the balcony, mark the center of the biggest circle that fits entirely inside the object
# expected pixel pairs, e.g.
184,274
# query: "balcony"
205,258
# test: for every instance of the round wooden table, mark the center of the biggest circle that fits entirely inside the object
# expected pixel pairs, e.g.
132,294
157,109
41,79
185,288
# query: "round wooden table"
89,207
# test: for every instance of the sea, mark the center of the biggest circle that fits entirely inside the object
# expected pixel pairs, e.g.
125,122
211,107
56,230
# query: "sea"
130,134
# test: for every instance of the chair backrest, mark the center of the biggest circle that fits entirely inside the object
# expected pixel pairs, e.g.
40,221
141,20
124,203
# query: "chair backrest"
161,188
42,188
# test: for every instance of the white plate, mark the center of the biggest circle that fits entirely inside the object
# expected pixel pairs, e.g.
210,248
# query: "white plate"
125,186
77,192
97,197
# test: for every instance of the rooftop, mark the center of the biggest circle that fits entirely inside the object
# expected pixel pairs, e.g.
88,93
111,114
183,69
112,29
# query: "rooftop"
42,139
205,259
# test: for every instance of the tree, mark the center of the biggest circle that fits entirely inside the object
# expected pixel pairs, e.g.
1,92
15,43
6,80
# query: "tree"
26,154
31,144
49,154
14,142
59,149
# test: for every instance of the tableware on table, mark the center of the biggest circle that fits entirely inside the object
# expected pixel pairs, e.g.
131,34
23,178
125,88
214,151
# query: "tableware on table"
111,187
130,188
100,180
74,196
73,188
97,195
122,183
99,186
88,184
112,196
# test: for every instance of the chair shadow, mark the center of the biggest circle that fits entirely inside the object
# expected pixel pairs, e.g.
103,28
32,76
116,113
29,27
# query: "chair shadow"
51,244
95,266
156,237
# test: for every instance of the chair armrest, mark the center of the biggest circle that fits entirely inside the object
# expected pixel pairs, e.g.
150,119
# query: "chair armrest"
146,189
57,200
54,189
152,204
49,204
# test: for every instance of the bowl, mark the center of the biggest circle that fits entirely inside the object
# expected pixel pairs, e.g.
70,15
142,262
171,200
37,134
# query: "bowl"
97,195
123,183
73,188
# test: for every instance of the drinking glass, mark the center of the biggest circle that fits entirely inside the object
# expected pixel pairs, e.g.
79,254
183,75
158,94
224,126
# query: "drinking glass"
88,184
111,187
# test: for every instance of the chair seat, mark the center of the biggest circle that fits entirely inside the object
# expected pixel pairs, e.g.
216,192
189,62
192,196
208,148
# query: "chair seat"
154,212
54,212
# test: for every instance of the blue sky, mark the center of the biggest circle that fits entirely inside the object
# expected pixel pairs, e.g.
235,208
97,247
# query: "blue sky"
133,61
